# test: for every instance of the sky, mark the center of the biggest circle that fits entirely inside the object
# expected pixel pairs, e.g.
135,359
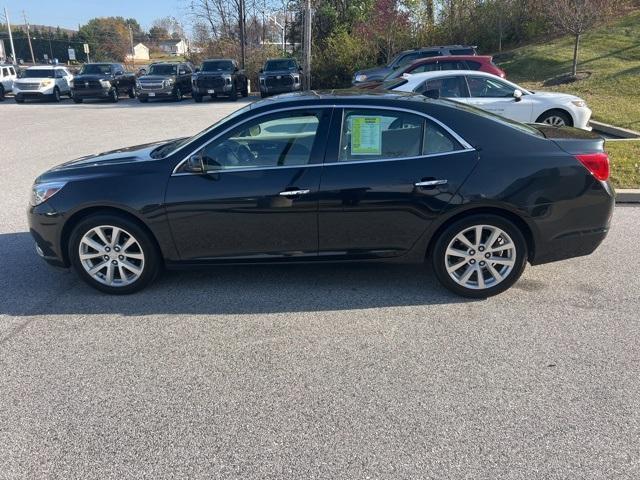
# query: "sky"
71,13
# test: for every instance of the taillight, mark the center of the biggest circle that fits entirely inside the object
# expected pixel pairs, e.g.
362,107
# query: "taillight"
596,163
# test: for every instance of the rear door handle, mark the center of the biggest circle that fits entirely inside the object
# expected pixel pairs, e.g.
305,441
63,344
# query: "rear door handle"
430,183
293,193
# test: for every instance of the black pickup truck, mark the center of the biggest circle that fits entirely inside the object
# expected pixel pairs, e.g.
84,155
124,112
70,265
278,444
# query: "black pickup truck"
103,80
280,75
219,77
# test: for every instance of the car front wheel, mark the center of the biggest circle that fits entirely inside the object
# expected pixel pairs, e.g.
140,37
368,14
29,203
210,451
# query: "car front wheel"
556,118
480,256
56,94
113,254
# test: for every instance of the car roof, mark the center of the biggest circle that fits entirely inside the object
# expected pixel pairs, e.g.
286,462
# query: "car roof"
45,67
218,59
448,73
452,57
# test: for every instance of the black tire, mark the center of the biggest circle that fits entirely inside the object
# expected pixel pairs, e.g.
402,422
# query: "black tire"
547,116
76,99
263,95
152,260
19,99
132,93
177,95
233,96
245,90
439,256
1,93
197,98
113,95
55,96
143,99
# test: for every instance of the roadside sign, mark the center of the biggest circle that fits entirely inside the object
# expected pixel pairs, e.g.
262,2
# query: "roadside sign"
86,48
72,54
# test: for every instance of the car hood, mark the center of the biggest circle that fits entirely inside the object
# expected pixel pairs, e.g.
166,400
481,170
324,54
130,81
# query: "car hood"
376,73
155,78
554,96
138,153
92,76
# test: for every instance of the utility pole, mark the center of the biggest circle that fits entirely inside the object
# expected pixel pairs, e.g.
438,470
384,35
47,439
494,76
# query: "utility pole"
133,53
13,50
242,31
307,44
50,47
33,58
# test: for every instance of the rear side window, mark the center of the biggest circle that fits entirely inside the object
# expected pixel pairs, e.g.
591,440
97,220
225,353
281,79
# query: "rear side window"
370,134
425,67
5,72
463,51
471,65
451,65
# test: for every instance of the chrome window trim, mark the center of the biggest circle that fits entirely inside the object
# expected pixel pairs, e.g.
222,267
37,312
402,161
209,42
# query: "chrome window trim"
466,147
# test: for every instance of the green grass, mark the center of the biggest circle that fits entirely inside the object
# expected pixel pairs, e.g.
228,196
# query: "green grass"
611,53
625,163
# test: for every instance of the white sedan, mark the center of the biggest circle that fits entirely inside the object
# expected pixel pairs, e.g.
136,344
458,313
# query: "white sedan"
499,96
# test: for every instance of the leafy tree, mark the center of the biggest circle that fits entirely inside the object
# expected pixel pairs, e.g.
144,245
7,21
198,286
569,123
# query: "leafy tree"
108,37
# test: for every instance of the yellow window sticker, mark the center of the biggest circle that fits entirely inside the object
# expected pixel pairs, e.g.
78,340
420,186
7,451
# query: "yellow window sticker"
366,135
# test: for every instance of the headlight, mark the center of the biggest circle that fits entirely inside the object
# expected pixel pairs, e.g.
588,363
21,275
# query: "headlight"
261,79
579,103
361,78
169,81
71,83
105,83
41,192
227,79
46,83
296,78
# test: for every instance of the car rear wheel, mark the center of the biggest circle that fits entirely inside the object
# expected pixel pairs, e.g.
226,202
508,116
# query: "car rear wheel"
197,98
245,90
233,96
555,118
143,99
113,254
76,99
480,256
132,93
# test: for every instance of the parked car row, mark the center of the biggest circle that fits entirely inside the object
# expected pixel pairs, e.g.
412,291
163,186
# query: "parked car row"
216,77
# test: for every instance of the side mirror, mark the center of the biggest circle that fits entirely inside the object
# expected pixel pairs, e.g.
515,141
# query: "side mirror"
300,69
517,94
195,164
236,69
432,93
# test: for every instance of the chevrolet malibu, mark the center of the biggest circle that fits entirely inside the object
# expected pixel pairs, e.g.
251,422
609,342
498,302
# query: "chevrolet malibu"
335,177
497,95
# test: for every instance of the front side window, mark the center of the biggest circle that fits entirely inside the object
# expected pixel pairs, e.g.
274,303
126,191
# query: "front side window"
278,140
5,72
425,67
370,134
448,87
59,73
483,87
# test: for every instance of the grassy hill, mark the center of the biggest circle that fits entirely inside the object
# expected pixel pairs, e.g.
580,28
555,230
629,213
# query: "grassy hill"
611,54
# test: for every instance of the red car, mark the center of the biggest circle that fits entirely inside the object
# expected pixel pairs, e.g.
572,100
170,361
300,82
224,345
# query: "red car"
482,63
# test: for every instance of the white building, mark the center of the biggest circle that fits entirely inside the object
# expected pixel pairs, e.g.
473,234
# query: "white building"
140,51
174,47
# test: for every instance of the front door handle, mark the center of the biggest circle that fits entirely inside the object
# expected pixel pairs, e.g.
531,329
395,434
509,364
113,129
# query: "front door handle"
430,183
293,193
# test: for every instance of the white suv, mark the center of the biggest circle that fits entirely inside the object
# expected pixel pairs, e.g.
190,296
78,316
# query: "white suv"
43,82
7,77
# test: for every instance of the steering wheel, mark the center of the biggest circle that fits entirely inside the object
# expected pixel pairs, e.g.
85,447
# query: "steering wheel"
241,152
229,153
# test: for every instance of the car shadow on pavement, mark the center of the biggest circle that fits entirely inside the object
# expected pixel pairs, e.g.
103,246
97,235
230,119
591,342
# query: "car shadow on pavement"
30,287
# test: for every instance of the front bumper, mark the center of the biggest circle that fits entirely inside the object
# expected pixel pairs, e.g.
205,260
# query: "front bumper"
226,89
45,226
284,89
159,93
91,92
40,93
582,115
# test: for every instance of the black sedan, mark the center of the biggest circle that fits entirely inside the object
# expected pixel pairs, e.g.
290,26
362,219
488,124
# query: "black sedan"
346,176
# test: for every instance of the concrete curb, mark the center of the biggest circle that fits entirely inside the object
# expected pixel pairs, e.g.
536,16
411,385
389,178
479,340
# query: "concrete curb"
631,195
615,131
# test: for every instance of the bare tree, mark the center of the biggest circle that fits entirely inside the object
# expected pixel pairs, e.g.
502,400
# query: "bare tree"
575,17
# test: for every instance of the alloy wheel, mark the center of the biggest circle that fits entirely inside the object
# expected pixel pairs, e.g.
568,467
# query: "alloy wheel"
555,120
111,255
480,257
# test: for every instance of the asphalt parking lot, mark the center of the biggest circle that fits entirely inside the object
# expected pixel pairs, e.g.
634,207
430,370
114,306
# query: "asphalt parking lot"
302,371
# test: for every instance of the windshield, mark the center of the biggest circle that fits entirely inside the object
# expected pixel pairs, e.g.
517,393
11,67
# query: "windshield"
162,69
39,73
217,66
392,84
169,148
284,64
96,69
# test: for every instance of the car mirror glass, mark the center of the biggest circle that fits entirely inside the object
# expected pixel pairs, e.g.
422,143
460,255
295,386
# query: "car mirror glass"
195,164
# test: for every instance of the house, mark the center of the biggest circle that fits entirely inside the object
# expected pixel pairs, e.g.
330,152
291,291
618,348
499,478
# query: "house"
140,52
174,47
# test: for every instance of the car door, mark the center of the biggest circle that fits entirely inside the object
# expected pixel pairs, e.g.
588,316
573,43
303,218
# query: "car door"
258,199
184,77
496,96
387,175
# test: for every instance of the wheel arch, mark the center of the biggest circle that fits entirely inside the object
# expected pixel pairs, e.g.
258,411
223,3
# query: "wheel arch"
559,110
80,215
517,220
